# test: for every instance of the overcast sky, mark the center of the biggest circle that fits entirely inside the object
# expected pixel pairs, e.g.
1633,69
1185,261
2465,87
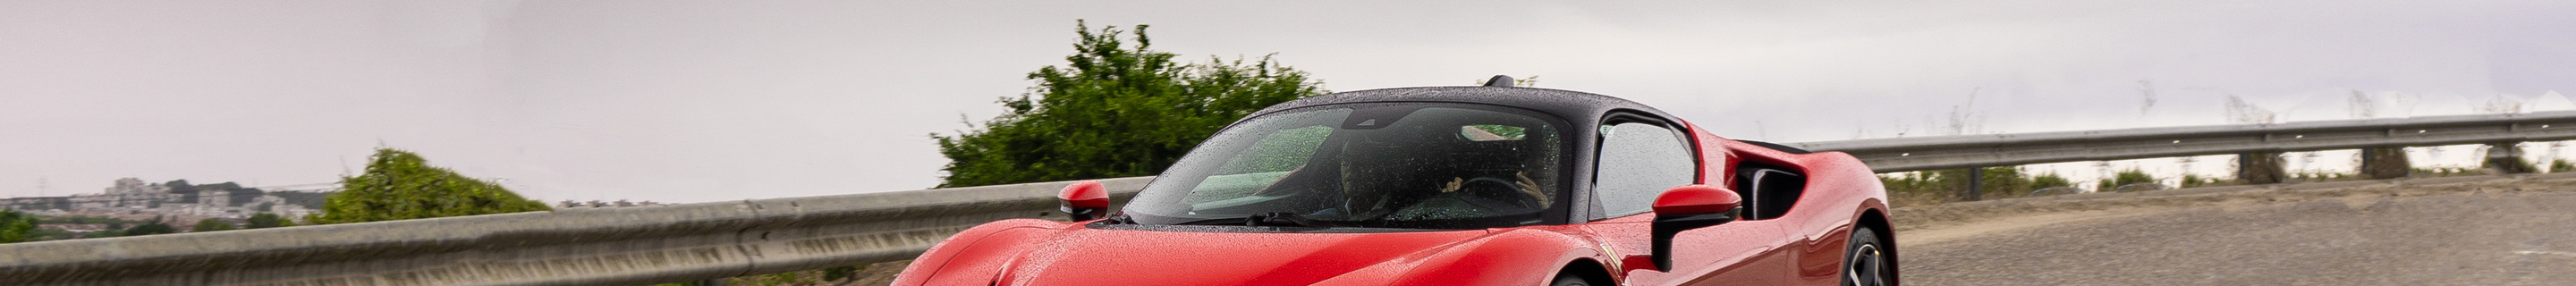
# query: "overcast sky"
694,101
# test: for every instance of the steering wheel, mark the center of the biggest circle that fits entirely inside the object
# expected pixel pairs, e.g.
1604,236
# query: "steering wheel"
1499,190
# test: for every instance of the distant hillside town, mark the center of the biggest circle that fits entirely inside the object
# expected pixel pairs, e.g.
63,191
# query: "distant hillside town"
132,197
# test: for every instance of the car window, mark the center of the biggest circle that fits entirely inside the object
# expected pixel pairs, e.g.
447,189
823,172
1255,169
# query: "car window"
1637,162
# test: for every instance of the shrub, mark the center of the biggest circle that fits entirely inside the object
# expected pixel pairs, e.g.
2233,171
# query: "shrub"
268,220
400,185
206,225
16,226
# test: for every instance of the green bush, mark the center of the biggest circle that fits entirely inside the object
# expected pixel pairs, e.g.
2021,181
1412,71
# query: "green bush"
2123,178
268,220
400,185
152,228
16,226
2050,180
206,225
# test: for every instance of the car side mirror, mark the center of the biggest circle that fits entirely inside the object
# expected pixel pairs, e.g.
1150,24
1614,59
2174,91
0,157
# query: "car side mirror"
1686,208
1084,200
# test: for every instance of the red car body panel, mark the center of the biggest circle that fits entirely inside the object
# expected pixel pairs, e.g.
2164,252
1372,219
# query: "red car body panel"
1069,254
1803,247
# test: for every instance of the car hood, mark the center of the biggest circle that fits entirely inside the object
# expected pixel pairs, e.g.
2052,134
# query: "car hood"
1210,255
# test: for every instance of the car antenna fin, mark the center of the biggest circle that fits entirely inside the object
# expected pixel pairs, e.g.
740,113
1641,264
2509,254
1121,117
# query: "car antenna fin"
1499,81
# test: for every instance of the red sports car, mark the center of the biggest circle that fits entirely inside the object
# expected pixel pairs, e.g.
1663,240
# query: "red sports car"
1479,185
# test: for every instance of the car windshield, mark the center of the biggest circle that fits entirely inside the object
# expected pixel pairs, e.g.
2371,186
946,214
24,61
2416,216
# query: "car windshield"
1414,165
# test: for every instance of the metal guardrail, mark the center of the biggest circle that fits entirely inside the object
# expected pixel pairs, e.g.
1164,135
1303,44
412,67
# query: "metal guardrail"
644,245
596,246
1968,151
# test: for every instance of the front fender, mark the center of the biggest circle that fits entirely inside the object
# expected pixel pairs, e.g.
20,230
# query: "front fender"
1509,257
958,260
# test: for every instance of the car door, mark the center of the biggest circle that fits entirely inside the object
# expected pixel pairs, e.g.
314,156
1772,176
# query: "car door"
1638,160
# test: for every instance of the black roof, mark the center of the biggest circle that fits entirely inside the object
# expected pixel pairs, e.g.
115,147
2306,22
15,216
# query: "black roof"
1577,108
1581,107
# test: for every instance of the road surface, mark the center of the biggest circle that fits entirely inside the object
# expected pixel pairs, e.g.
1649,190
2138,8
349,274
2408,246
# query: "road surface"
2469,231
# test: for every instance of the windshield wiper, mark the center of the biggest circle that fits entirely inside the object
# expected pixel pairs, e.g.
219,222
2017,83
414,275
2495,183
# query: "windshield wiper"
1265,219
1121,218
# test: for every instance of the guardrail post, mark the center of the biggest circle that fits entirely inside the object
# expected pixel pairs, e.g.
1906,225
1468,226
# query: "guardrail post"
2260,168
2385,163
2506,157
1976,183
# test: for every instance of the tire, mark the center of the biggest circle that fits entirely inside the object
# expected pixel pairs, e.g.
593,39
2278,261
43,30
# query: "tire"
1569,279
1865,261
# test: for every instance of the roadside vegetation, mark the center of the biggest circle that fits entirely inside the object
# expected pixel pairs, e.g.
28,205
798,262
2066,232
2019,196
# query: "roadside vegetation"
16,226
37,232
1944,186
112,228
267,220
400,185
1114,110
147,228
212,224
36,227
1948,186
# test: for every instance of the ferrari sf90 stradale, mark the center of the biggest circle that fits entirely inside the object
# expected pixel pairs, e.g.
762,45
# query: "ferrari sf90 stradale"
1481,185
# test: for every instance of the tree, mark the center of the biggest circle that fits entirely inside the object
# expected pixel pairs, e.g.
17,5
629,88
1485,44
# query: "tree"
401,185
180,186
268,220
1114,110
206,225
224,186
16,226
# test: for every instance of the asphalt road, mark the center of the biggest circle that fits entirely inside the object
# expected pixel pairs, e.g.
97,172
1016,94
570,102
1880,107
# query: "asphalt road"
2500,232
